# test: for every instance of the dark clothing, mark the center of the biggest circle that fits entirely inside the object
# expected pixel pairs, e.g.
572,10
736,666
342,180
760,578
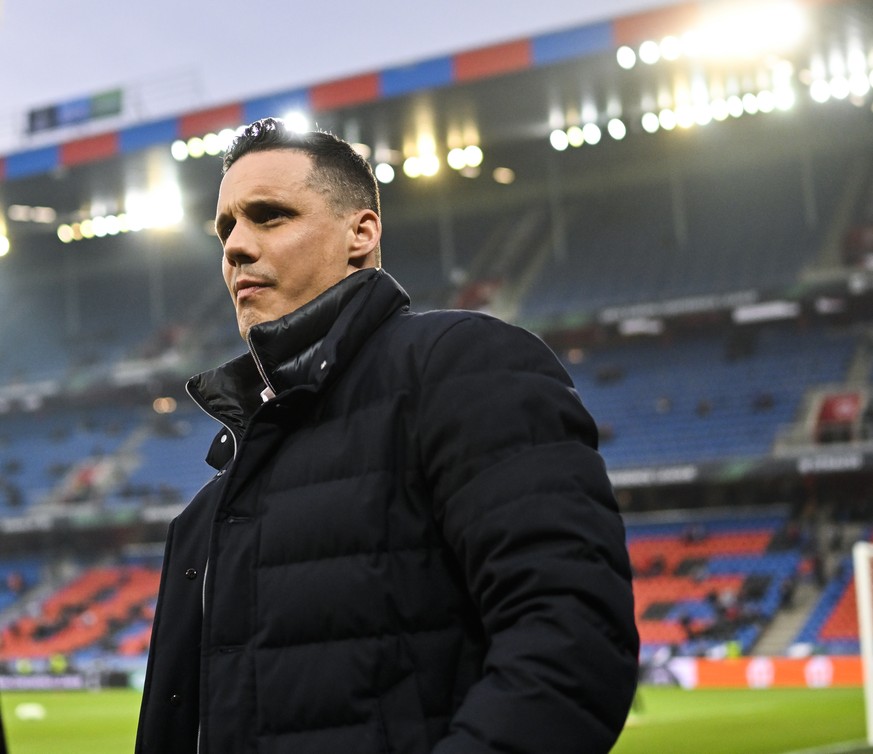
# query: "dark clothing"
415,548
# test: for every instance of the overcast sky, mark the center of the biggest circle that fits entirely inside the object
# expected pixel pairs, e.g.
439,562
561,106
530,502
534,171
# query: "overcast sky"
178,55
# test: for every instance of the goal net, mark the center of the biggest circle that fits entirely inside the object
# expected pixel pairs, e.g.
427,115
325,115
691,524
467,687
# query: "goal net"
862,558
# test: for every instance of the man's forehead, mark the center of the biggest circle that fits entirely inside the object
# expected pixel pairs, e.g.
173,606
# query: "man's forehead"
267,172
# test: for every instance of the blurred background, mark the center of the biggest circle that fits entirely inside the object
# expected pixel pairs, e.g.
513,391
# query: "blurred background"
678,198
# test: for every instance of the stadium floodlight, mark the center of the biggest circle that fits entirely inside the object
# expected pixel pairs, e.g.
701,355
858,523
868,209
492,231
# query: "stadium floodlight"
685,116
626,57
718,108
592,133
735,106
362,149
196,147
5,246
384,172
750,30
179,150
430,165
667,119
650,52
558,139
297,121
504,176
212,144
650,122
785,98
575,137
473,155
412,167
65,233
671,48
820,91
839,87
859,84
766,101
98,224
455,158
617,129
750,103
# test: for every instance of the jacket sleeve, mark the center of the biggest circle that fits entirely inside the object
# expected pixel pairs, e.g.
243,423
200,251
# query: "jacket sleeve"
526,506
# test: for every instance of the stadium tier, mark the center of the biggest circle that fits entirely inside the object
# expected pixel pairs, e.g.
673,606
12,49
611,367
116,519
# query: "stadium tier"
705,398
711,585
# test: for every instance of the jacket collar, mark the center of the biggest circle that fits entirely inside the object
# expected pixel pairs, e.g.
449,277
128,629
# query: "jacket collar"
306,348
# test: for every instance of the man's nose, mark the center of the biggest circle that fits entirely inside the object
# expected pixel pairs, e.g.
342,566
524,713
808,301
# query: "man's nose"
239,246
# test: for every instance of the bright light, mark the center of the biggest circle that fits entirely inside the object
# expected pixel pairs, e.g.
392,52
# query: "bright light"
65,233
751,29
362,149
766,101
99,226
820,91
412,167
559,140
384,172
179,150
719,110
575,137
473,156
840,88
626,57
196,147
685,116
785,98
4,246
667,119
157,209
650,52
702,115
671,48
212,144
226,137
113,225
591,132
87,228
750,103
164,405
650,123
430,165
735,106
45,215
617,130
859,85
296,121
692,44
455,158
503,175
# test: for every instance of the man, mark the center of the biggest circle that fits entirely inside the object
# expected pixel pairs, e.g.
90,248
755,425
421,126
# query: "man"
411,544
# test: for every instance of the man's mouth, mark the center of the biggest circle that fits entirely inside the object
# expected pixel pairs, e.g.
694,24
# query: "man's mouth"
246,289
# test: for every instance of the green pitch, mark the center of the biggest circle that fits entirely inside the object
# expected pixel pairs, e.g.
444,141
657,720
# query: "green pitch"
666,721
772,721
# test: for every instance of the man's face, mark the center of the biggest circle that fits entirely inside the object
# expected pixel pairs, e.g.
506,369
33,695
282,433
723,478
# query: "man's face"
283,242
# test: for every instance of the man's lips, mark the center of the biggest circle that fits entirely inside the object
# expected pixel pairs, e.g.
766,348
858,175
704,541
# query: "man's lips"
246,289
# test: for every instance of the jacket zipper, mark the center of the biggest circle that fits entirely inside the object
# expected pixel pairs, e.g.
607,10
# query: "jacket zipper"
211,415
260,367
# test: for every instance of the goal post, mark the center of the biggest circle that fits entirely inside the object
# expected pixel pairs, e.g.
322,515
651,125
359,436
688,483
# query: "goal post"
862,558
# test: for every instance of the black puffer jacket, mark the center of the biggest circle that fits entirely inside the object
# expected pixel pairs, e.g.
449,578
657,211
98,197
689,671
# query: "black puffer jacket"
414,548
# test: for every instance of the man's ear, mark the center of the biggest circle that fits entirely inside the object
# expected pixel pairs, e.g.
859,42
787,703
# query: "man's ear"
365,233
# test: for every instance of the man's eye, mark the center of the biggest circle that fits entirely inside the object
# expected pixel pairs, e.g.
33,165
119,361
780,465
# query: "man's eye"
269,214
223,232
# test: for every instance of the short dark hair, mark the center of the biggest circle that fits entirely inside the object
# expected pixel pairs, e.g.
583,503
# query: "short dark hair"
338,170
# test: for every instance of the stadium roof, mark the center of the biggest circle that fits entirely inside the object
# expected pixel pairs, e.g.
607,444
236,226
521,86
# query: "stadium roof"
506,98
